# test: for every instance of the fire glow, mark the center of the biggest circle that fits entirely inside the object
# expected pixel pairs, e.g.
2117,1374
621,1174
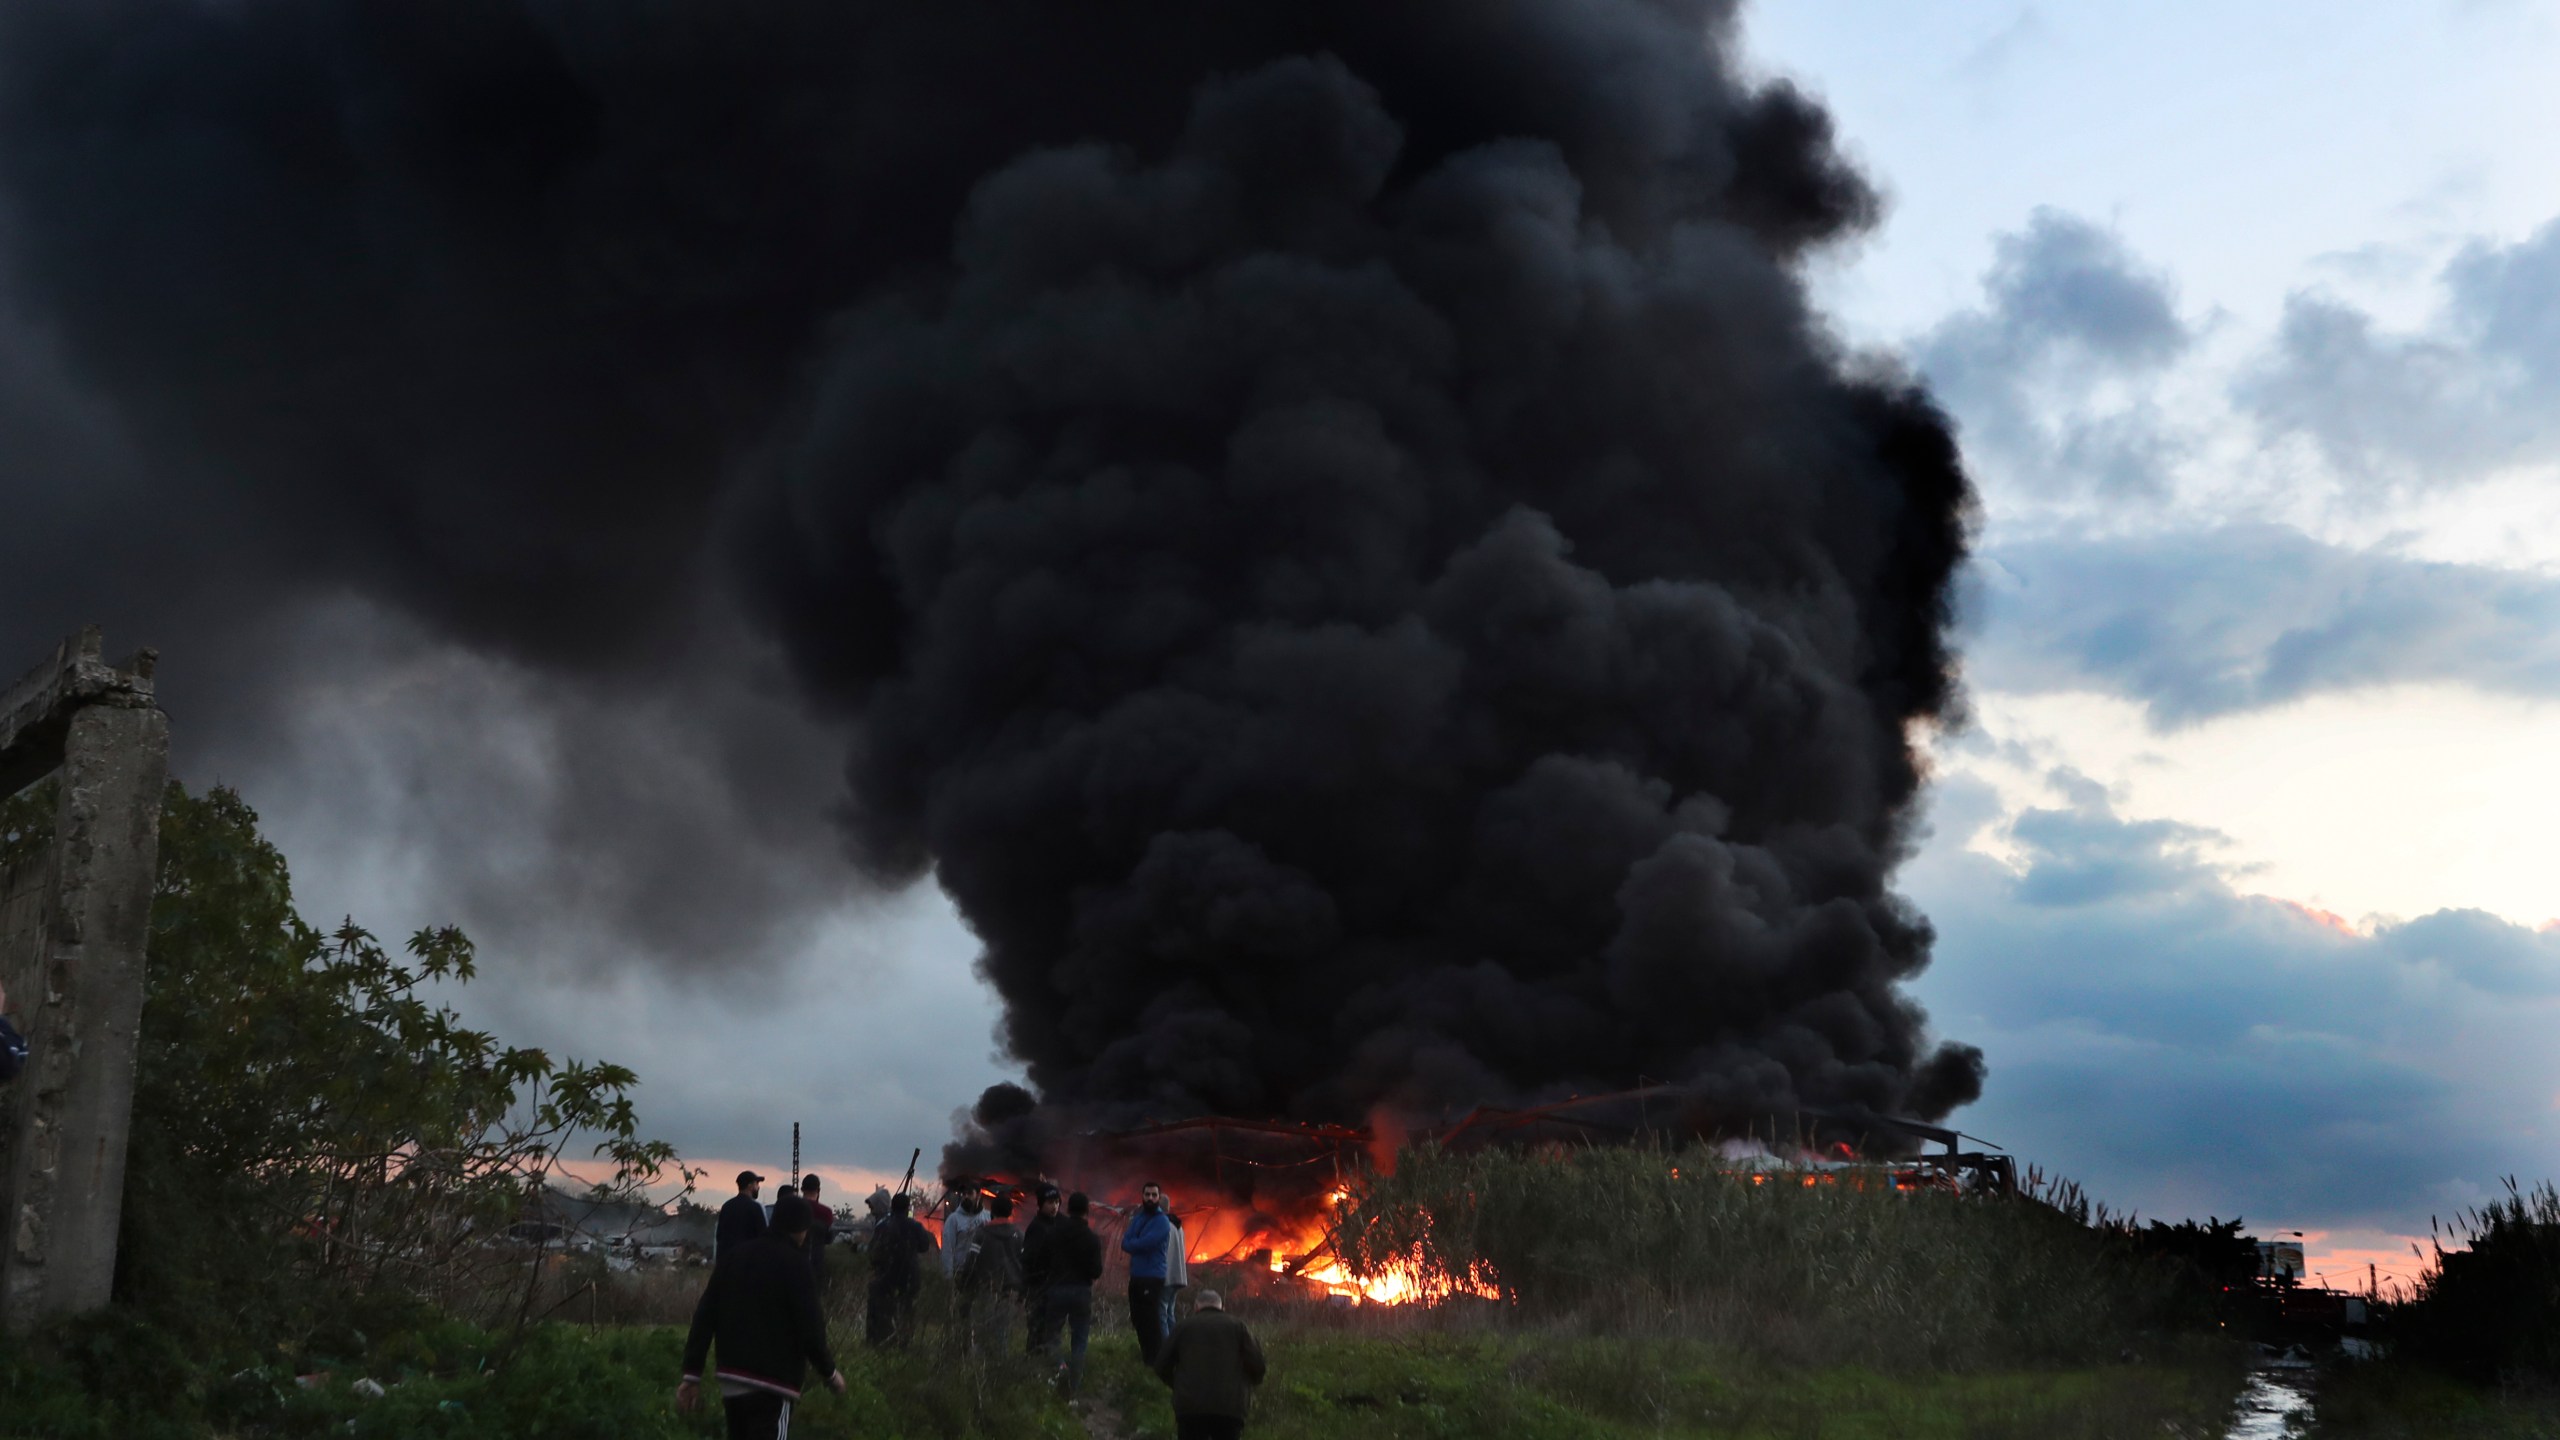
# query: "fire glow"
1305,1252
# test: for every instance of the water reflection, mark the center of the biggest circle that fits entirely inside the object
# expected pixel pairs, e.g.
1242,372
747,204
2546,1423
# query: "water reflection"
2270,1405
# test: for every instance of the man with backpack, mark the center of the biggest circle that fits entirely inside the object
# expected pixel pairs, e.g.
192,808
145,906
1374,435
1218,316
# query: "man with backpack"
897,1258
992,1275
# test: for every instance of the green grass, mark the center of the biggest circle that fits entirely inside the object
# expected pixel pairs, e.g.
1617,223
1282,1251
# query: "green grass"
1534,1386
451,1381
2410,1402
1636,1241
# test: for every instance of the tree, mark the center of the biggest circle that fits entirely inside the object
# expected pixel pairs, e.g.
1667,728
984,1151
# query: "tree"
309,1125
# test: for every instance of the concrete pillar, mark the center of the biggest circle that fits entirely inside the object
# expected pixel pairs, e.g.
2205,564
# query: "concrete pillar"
75,920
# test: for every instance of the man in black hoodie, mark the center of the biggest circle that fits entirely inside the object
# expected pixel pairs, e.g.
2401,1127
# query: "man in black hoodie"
898,1245
761,1311
1068,1259
742,1219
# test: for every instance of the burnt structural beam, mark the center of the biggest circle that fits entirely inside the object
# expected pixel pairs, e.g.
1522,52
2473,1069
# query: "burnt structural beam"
84,756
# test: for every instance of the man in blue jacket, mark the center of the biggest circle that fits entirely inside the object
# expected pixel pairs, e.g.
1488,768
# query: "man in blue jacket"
13,1046
1144,1239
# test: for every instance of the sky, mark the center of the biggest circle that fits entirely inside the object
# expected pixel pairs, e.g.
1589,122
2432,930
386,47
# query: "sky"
2249,316
2242,870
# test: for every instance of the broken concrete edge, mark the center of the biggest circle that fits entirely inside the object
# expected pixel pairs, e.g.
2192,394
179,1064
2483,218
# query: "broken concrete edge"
61,1189
35,710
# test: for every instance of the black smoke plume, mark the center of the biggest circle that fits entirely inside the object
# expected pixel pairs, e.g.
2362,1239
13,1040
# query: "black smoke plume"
1332,525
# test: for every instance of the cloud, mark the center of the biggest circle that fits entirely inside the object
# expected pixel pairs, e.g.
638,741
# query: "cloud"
2197,624
2189,1048
2474,390
2038,374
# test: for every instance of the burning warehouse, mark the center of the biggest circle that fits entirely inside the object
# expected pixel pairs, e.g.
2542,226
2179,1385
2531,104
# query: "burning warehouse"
1332,528
1263,1195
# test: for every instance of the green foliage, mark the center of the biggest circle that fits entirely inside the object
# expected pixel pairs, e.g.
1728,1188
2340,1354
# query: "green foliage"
1644,1241
309,1127
2416,1401
1541,1383
445,1380
2489,1308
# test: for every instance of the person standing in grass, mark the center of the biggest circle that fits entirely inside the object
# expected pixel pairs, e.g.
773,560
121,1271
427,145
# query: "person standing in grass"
1177,1265
760,1311
897,1255
1036,1245
992,1275
1212,1362
958,1228
822,1229
1070,1260
1145,1239
741,1219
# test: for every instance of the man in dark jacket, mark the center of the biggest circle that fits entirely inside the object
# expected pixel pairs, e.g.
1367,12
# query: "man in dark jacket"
741,1219
13,1046
1212,1362
761,1311
1069,1260
898,1246
1048,1215
991,1278
822,1229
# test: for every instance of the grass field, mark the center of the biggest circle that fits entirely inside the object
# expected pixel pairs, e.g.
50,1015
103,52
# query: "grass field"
2408,1403
1573,1387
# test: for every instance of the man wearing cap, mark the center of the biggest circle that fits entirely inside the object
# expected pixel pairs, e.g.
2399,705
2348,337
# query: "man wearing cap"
742,1219
1070,1261
1212,1362
760,1311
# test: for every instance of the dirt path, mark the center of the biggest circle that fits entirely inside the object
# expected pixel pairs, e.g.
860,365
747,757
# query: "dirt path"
1101,1422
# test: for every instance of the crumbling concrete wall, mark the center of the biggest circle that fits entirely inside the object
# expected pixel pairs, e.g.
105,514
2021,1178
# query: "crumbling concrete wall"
83,760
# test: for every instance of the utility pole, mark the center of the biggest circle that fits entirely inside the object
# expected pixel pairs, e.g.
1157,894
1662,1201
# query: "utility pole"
795,1154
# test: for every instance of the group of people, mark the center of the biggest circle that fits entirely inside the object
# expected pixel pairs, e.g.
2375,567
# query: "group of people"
760,1308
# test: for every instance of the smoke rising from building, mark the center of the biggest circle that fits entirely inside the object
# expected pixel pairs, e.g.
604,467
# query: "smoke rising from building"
1332,527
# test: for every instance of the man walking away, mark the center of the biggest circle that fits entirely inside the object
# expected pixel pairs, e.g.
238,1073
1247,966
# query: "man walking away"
1070,1260
1037,1239
13,1046
1145,1238
742,1219
991,1278
957,1227
760,1311
897,1254
1212,1362
822,1229
1177,1265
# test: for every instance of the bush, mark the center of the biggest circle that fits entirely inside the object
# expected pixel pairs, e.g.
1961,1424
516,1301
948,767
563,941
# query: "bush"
1635,1240
2490,1309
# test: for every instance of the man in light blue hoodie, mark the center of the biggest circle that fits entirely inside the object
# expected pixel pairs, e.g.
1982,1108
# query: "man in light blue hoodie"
1145,1240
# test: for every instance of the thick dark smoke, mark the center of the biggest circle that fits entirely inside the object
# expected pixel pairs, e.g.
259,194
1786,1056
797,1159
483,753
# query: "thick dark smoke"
1332,524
